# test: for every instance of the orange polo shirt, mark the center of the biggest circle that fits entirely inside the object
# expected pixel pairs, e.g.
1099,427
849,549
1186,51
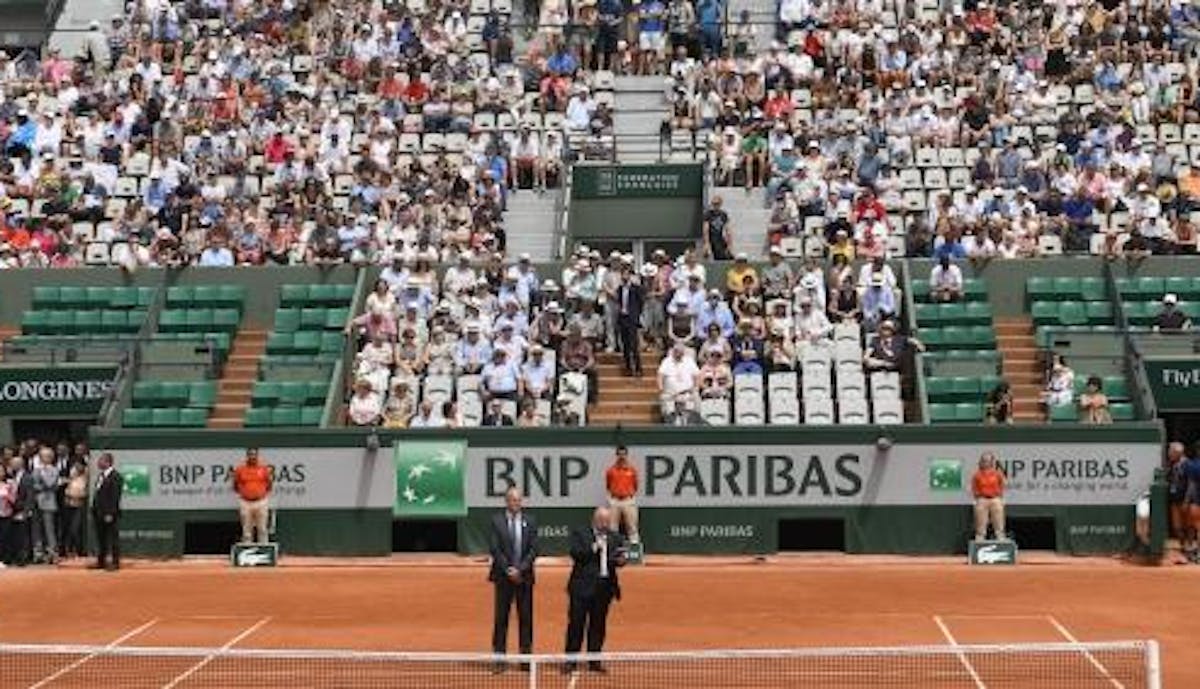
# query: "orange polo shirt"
252,482
988,483
622,481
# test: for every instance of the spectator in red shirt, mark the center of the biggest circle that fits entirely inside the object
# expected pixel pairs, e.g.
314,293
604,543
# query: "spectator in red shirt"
277,149
778,105
417,91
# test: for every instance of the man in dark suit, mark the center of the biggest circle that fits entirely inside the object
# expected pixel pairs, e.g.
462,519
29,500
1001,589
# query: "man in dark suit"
597,552
495,417
514,549
683,416
106,511
630,299
24,504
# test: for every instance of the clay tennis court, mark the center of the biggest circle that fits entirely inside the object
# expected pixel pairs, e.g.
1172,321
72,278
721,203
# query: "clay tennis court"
444,604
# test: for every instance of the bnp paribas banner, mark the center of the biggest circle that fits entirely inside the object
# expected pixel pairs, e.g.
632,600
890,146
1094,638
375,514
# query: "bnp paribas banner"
305,478
429,479
798,475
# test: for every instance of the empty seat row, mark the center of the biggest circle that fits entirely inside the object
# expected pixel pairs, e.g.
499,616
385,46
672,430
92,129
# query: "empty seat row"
173,417
958,337
1066,289
289,393
206,296
304,343
168,393
971,313
221,341
315,295
92,297
199,320
1071,313
76,322
312,318
974,289
959,388
284,416
960,412
1155,287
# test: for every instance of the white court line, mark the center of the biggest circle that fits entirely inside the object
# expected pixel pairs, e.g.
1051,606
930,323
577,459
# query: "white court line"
213,656
984,616
962,657
116,642
1086,653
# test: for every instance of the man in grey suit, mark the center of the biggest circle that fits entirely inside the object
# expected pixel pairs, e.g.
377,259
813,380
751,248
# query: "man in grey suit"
45,486
513,549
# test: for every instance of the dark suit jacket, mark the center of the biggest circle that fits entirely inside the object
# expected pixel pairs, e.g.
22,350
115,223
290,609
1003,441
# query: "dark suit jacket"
24,500
502,547
636,301
493,421
585,570
107,500
690,418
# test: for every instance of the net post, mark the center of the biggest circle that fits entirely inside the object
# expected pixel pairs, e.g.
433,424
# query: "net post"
533,673
1153,666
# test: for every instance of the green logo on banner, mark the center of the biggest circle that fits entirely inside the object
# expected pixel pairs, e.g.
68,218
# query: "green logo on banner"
136,479
945,474
429,479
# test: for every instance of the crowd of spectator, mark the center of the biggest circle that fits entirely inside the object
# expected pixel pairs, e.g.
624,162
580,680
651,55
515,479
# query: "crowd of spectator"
223,133
43,498
977,130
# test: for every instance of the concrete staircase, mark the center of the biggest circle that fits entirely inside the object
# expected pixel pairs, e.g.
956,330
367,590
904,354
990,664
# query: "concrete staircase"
529,223
1018,349
623,400
638,114
748,219
237,379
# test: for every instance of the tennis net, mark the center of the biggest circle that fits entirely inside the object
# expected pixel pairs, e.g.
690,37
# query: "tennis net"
1119,665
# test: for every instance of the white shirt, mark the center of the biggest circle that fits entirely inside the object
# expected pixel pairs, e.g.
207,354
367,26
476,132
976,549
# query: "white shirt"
950,277
677,377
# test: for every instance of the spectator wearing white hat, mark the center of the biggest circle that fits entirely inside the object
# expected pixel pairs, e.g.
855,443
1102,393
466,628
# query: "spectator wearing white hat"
1171,318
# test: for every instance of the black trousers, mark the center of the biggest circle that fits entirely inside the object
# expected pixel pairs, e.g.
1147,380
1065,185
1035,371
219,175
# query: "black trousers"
627,333
590,614
507,594
5,540
71,541
20,541
107,542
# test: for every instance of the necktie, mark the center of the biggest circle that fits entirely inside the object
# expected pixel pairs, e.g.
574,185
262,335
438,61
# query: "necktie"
603,557
624,299
515,530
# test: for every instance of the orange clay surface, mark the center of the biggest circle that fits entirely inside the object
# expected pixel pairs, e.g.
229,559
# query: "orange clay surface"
444,604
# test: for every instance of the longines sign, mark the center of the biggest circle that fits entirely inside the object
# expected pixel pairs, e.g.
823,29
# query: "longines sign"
55,391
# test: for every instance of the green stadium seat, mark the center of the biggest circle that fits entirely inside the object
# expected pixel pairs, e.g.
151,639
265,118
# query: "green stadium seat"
1064,413
279,343
1116,387
285,416
306,343
965,388
1093,289
231,296
45,297
1190,308
179,296
114,321
174,393
1067,289
293,295
198,320
1150,287
265,393
206,296
324,295
335,318
164,417
974,289
978,313
136,418
920,288
968,412
203,394
1122,411
343,293
1039,289
257,417
287,320
318,390
226,319
927,314
293,393
145,393
941,413
1140,312
1099,312
939,388
72,297
987,384
97,297
312,318
311,415
35,322
172,320
1180,286
952,313
1072,313
89,321
61,322
332,343
1126,287
123,297
1044,313
193,417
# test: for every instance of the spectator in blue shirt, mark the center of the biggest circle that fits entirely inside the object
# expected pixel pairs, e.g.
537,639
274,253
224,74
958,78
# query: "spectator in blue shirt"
562,62
747,351
155,196
878,302
501,379
1078,209
217,254
950,245
715,311
22,138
